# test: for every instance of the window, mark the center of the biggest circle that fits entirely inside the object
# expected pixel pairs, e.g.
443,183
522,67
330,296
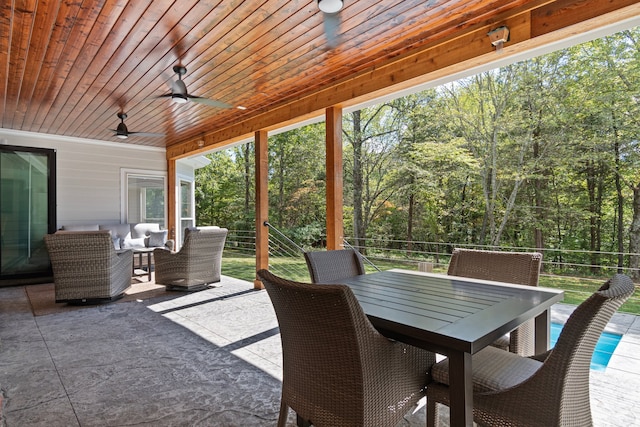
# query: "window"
144,197
187,217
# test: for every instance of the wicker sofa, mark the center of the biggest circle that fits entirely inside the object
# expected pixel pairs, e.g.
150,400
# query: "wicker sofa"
130,236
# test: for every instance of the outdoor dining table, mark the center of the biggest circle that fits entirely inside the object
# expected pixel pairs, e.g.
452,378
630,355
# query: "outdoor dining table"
453,316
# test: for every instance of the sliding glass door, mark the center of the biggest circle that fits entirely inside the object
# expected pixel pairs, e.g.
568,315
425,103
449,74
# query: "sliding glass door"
27,212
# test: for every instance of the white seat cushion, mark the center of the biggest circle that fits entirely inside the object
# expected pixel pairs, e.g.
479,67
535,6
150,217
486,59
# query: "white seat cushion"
493,369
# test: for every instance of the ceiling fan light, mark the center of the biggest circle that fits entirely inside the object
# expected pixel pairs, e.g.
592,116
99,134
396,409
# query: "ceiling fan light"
330,6
179,98
122,136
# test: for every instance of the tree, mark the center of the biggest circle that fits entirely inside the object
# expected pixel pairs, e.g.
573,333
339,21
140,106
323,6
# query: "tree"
372,135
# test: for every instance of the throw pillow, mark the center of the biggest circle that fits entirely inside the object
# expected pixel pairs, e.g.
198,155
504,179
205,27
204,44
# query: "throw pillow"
157,238
133,243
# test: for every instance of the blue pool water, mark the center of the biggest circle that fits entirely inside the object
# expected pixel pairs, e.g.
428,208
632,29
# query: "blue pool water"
604,348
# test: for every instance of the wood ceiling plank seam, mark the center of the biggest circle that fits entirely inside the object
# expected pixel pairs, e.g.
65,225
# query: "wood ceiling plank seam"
111,35
24,17
189,69
43,26
136,26
191,110
252,62
252,28
193,77
168,64
76,52
287,61
249,59
346,74
354,67
393,50
138,106
480,24
88,88
6,22
46,88
197,91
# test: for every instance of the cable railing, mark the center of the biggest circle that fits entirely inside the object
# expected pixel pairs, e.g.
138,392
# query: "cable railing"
287,256
364,257
555,261
281,246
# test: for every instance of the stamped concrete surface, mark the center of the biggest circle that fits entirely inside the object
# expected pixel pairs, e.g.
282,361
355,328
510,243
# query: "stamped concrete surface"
209,358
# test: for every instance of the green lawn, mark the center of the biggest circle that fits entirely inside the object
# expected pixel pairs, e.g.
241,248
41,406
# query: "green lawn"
576,289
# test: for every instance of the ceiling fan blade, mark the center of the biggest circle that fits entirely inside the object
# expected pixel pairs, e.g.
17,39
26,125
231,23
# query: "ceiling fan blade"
150,134
332,29
209,102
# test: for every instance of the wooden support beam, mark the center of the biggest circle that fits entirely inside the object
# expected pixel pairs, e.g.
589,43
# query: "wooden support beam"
172,197
335,232
262,204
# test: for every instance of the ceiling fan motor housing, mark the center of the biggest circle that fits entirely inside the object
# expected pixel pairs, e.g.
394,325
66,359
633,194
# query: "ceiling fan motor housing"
121,131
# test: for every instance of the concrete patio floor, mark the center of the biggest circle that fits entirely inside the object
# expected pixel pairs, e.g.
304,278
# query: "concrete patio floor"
209,358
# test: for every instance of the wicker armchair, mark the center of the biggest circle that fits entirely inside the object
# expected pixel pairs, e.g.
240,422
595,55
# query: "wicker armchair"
86,267
338,370
197,264
327,266
521,268
550,389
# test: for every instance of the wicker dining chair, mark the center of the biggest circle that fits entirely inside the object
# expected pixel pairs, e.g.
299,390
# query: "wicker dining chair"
521,268
338,370
549,389
86,267
327,266
196,265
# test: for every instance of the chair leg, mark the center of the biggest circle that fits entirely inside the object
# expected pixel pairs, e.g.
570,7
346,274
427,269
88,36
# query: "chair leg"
284,413
432,413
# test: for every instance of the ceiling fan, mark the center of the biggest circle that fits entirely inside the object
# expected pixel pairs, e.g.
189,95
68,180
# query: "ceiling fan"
123,133
180,95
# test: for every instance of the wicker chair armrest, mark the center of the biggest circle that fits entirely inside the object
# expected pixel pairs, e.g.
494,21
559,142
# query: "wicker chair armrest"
123,256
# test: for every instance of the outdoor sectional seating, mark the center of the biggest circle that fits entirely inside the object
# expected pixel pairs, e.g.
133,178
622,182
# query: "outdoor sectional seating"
130,236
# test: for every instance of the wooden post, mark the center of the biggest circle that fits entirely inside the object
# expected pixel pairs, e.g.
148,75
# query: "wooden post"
262,204
335,230
172,197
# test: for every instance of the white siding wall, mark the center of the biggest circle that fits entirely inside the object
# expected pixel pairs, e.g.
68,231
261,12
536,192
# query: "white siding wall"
88,173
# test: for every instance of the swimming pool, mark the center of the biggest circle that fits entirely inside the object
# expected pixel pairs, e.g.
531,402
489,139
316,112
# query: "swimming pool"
603,351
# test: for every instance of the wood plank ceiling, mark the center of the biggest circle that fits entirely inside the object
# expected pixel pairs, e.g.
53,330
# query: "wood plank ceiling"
68,67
